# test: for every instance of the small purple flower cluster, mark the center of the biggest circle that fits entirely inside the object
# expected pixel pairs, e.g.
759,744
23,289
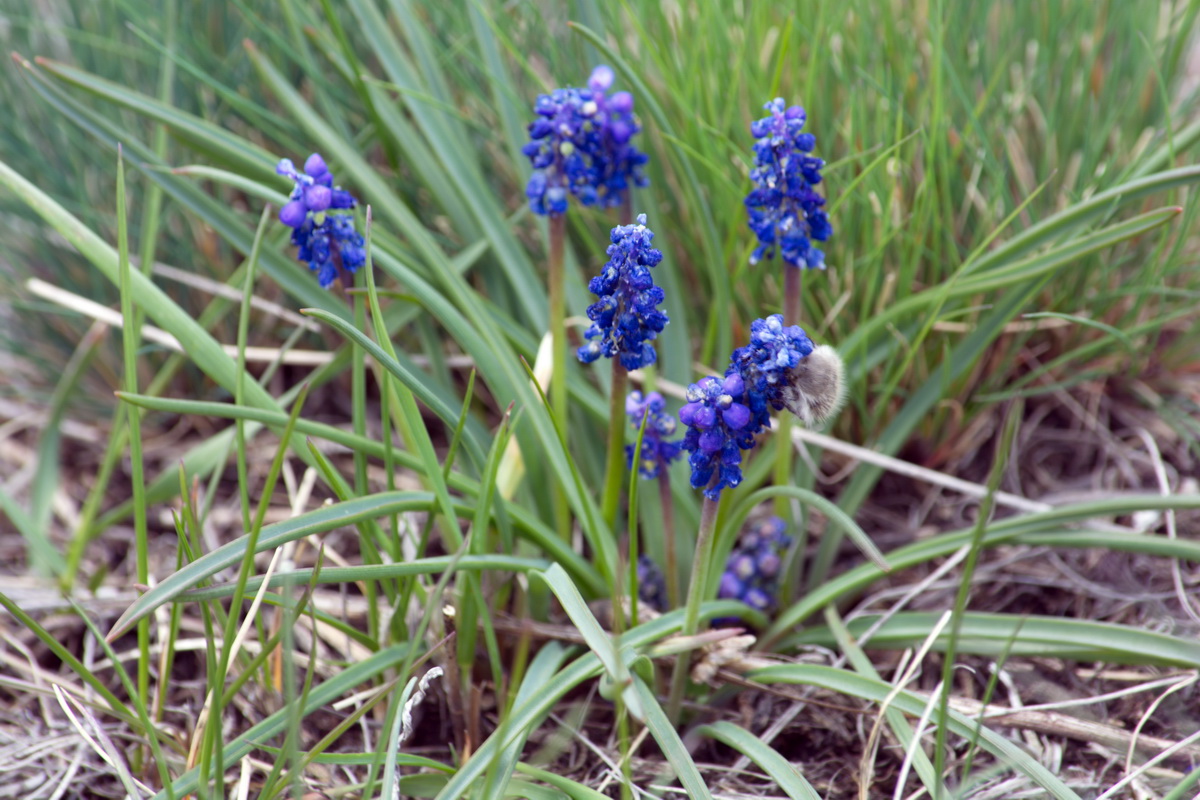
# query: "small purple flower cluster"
724,415
719,430
626,318
325,241
752,569
657,451
580,145
785,210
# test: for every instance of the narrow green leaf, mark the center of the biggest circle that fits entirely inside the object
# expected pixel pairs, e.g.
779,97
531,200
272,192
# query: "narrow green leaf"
668,740
598,639
343,683
527,522
765,756
988,634
1006,530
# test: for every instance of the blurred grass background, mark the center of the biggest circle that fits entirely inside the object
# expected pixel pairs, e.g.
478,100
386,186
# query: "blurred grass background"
938,122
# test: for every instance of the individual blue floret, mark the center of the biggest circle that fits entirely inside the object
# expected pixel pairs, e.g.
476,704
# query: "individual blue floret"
626,318
657,450
580,144
752,569
325,241
785,210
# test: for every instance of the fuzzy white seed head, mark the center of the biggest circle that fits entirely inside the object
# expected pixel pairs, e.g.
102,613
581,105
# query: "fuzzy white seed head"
815,391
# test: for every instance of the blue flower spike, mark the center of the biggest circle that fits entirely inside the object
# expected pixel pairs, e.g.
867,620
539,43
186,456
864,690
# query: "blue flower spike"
752,569
785,210
657,450
580,144
326,242
718,431
626,318
779,369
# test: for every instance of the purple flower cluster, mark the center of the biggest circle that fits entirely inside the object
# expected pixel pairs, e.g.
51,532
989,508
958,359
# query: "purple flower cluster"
580,144
718,431
626,317
785,210
724,415
652,584
657,452
752,569
325,241
765,365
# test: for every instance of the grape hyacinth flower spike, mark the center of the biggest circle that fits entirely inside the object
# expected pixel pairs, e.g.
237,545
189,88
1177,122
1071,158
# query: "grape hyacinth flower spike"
326,241
625,321
719,430
785,210
783,369
580,144
779,369
657,450
626,318
752,569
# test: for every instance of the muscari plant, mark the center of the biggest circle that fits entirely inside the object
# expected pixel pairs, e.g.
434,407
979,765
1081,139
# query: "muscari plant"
580,147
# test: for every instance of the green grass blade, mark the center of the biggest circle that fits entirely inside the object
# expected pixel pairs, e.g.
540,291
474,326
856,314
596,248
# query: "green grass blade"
598,639
204,136
766,757
668,740
545,664
988,634
527,522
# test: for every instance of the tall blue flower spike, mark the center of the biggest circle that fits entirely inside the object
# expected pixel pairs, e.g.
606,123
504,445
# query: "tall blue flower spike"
626,319
765,365
657,451
785,210
752,569
326,242
580,144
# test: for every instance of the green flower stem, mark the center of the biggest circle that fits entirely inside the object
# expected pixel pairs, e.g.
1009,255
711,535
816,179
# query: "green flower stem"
793,294
615,468
696,591
130,335
792,308
558,356
668,518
